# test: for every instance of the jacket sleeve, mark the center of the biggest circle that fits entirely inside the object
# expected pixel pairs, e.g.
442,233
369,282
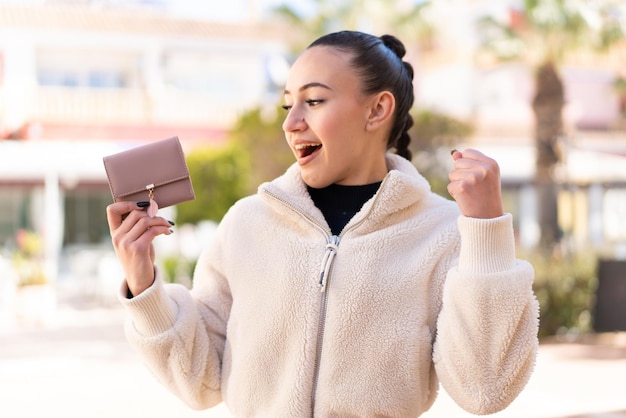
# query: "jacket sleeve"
180,336
486,343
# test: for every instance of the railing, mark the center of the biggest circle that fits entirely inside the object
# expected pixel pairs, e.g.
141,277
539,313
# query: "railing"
122,106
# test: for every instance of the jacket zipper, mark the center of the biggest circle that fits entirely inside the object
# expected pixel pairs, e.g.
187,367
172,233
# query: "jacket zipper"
325,270
329,256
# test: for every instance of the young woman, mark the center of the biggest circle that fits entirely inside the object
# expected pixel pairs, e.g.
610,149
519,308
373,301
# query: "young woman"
345,287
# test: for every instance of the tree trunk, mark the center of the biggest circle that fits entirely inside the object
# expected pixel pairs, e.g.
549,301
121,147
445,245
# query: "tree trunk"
548,106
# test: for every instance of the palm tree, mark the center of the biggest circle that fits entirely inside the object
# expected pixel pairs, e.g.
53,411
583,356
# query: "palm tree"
542,33
397,17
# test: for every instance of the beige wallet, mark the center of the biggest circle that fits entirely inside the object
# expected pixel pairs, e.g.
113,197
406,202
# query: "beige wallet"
155,171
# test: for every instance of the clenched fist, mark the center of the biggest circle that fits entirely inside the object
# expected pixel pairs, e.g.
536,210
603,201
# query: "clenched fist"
475,184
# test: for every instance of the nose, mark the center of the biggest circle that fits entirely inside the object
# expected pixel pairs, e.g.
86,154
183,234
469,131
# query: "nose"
294,122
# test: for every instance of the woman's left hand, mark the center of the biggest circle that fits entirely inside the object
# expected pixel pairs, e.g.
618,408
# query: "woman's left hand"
475,184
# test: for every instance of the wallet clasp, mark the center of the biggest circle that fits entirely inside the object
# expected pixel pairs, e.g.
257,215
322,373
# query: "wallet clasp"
154,207
150,189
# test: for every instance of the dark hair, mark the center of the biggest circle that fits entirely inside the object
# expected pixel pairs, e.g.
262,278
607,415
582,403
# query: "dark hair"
378,61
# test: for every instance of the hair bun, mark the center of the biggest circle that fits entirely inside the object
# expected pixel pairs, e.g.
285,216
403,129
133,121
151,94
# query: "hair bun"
394,44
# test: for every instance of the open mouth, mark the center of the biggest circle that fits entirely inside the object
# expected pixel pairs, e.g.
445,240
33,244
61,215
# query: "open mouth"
306,150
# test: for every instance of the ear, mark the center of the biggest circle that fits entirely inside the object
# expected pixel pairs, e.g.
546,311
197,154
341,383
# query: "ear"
380,110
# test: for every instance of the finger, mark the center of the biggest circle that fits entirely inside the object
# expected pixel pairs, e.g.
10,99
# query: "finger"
463,167
451,190
473,174
470,159
474,154
146,227
461,184
475,160
139,239
117,211
136,223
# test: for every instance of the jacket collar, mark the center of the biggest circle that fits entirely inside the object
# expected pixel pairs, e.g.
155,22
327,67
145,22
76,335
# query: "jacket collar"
402,187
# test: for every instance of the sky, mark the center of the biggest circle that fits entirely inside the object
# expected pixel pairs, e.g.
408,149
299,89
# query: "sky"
229,10
221,10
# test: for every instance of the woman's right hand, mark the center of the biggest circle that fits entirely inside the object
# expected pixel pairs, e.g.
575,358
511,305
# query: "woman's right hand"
132,231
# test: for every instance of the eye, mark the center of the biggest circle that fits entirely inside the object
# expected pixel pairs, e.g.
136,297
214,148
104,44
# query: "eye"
287,107
314,102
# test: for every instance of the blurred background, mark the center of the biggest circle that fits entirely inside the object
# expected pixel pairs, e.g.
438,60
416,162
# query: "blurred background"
538,85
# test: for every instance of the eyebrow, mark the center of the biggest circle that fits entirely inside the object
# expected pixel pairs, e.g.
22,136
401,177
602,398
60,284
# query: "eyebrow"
310,85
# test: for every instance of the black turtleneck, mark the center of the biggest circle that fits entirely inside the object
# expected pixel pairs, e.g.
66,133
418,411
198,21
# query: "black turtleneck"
339,203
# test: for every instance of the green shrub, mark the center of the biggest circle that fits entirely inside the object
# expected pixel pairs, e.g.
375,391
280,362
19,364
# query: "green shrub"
259,132
177,269
220,177
565,288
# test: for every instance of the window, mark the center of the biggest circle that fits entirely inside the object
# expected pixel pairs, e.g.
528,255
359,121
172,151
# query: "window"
85,68
15,214
85,216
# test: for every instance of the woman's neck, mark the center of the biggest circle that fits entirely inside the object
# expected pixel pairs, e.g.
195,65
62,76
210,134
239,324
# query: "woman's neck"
339,203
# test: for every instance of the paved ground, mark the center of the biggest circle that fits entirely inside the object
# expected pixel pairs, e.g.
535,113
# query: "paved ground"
77,365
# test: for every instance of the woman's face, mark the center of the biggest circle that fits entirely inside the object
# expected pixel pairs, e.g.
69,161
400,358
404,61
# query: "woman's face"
326,124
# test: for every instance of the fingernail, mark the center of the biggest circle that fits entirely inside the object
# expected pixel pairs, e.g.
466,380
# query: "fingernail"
143,204
453,151
171,231
171,222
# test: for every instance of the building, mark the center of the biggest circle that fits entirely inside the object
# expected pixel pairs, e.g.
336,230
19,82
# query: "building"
78,82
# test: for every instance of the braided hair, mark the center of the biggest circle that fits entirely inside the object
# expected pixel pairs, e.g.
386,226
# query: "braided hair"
378,62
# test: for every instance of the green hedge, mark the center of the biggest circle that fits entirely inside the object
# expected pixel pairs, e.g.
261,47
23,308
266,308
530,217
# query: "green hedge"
565,287
220,177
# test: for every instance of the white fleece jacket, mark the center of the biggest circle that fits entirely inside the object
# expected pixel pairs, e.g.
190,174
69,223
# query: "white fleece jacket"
412,294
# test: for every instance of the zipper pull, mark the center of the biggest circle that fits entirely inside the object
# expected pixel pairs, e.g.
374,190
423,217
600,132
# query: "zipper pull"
329,256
